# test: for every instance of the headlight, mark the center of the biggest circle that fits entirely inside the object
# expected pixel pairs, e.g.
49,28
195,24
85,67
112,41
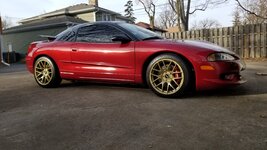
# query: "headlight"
220,57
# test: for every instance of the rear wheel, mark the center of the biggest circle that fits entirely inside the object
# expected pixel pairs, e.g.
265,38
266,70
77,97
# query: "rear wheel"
46,73
168,75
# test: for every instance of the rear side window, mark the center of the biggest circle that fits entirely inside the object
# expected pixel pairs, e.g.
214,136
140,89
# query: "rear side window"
98,34
67,35
70,37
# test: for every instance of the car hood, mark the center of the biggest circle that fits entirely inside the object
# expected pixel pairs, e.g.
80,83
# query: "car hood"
198,45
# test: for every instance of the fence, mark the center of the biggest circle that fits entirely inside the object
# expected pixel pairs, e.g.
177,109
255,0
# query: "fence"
249,41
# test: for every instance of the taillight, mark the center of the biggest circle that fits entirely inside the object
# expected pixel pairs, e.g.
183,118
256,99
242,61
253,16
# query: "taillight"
31,47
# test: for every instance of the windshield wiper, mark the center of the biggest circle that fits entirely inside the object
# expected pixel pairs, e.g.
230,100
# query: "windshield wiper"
152,38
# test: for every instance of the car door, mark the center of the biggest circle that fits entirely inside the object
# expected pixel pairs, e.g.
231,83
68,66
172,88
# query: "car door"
95,55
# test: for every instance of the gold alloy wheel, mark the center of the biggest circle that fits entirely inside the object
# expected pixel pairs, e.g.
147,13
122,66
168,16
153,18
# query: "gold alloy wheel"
43,71
166,76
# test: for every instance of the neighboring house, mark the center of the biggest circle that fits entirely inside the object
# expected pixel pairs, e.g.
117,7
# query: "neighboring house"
173,29
90,13
147,26
21,36
55,22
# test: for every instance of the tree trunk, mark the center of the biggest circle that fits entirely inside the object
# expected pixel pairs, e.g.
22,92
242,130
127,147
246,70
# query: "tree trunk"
1,25
152,22
1,31
186,25
187,15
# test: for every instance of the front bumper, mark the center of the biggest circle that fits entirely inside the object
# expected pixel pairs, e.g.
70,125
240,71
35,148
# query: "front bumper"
225,73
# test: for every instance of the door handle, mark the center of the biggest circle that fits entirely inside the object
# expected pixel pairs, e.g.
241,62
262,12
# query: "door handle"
74,49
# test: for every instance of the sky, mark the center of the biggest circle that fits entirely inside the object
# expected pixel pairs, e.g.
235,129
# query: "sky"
21,9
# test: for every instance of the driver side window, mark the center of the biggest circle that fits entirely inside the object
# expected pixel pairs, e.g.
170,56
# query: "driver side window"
98,34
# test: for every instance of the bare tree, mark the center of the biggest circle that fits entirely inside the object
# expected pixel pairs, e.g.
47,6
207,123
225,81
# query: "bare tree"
150,9
167,18
6,22
237,18
205,24
256,9
184,8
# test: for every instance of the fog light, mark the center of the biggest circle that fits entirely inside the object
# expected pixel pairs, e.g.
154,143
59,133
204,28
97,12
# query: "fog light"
230,77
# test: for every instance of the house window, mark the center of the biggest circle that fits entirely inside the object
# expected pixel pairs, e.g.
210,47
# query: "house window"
106,17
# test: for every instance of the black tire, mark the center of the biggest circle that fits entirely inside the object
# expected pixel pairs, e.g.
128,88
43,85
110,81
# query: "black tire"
166,72
46,73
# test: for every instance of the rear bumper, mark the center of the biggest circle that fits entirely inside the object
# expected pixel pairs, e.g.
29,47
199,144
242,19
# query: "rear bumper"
29,64
224,74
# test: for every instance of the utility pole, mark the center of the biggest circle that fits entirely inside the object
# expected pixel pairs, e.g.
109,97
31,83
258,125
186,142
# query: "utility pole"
1,44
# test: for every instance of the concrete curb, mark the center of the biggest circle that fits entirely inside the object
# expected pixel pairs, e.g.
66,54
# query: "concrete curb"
261,74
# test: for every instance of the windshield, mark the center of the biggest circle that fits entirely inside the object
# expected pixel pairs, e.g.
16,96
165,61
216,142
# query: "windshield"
139,32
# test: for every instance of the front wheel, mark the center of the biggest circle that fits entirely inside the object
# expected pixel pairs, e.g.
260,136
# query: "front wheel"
168,76
46,73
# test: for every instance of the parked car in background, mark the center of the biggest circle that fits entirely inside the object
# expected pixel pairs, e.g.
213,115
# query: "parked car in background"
125,53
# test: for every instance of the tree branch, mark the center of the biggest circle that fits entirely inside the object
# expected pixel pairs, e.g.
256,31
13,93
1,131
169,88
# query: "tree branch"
204,7
145,7
249,11
171,2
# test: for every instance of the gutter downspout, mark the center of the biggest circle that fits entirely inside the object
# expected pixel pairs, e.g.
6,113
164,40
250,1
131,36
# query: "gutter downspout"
94,16
1,44
97,9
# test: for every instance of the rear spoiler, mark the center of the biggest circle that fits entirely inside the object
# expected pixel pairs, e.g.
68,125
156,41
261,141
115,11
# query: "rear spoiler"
49,37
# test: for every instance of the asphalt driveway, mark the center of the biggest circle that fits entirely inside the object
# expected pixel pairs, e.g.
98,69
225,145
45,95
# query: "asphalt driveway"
117,117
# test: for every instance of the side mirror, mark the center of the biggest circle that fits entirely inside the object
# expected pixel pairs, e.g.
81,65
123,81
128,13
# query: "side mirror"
122,39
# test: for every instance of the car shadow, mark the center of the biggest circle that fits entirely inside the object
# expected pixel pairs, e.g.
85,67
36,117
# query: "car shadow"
70,84
242,90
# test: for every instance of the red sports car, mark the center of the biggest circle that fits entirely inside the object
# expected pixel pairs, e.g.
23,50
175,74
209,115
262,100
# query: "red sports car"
120,52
